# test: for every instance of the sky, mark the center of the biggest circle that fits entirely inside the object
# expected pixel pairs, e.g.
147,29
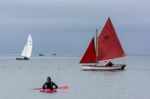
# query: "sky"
67,26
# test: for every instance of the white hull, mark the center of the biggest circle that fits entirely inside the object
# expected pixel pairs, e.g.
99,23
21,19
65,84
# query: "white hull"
104,68
25,58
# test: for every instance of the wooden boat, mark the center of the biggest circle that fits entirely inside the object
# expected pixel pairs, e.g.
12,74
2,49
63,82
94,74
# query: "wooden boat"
108,47
26,52
104,68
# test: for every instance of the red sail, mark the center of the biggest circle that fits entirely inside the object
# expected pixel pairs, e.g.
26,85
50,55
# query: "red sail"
109,46
90,54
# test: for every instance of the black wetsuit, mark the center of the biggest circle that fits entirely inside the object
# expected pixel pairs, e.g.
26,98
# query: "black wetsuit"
110,64
50,85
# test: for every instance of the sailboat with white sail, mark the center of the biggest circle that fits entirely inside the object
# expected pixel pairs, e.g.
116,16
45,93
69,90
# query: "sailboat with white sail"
107,47
27,50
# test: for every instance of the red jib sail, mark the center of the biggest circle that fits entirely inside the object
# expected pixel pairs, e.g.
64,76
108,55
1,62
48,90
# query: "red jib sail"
90,54
109,46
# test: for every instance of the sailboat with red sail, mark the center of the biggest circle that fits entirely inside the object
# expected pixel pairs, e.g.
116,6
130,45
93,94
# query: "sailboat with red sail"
107,47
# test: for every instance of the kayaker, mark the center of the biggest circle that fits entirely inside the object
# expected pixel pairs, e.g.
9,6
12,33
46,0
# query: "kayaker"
50,84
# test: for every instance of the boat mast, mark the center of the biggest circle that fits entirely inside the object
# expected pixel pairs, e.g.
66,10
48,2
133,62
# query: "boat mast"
96,46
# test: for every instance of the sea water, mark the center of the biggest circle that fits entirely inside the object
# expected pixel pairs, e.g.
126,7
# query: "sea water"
18,78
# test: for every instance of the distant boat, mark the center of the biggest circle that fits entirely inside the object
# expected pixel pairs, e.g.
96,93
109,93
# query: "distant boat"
41,54
26,52
107,47
54,54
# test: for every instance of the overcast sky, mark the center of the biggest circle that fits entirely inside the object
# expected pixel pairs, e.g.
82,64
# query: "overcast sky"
67,26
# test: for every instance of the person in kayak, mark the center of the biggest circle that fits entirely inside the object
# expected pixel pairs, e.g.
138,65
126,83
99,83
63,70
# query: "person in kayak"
49,84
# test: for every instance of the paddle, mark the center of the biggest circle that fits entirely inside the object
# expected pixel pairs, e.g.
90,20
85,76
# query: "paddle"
37,88
61,87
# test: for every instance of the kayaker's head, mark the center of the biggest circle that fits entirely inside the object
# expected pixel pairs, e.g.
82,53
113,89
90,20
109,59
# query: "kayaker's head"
48,78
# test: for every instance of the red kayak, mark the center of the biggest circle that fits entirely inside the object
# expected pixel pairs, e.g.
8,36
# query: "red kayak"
51,91
48,90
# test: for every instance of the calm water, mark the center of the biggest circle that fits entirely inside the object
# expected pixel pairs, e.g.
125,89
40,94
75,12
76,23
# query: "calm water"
18,78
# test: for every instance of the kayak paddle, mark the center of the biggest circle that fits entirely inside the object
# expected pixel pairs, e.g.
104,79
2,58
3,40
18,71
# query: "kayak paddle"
61,87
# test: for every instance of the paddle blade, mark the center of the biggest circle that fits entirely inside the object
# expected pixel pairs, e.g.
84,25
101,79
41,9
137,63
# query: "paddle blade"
63,87
37,88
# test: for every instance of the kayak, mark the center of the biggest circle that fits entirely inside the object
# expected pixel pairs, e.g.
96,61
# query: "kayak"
51,91
48,90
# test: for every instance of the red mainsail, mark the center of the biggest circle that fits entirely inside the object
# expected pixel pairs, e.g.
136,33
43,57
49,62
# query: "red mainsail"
90,54
109,46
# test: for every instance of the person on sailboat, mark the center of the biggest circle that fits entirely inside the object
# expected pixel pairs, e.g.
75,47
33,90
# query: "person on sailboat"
49,84
109,63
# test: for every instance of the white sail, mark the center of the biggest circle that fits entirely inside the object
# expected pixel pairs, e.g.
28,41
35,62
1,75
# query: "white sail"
27,48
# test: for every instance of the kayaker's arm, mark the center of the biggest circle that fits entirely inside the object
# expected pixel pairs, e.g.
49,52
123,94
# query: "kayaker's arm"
44,86
54,85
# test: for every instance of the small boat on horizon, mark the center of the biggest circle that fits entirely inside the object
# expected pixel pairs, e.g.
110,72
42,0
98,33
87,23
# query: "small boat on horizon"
41,54
108,47
27,50
54,54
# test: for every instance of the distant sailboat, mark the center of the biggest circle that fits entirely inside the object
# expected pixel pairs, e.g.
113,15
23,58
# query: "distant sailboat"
107,47
26,52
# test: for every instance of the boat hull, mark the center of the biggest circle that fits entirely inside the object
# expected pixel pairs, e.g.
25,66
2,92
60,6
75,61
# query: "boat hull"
22,58
48,90
104,68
